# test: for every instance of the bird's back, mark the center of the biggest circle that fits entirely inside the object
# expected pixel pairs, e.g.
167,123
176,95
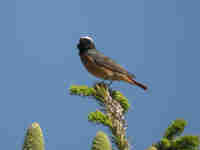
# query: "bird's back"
107,62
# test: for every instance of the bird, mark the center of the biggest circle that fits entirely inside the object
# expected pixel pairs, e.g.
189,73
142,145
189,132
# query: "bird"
101,66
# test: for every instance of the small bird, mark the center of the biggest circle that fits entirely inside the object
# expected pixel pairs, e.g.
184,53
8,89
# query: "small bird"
102,66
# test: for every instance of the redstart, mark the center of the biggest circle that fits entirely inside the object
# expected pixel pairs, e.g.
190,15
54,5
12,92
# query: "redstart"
102,66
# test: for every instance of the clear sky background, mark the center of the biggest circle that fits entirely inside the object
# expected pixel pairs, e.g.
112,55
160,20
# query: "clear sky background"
158,40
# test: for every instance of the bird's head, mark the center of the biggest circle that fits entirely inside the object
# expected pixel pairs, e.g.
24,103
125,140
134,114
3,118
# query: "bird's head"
85,43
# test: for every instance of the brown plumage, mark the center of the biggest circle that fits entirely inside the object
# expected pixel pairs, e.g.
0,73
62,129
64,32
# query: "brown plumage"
101,66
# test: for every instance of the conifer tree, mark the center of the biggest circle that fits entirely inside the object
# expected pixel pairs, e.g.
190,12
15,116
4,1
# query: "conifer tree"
34,138
113,108
111,114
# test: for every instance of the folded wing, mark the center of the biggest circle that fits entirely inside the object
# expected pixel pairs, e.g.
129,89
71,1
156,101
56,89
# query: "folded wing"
107,62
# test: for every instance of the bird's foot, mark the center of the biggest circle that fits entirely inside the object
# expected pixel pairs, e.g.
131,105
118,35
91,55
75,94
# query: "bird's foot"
110,83
104,83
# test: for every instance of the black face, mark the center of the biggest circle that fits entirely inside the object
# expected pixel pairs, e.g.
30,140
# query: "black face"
85,44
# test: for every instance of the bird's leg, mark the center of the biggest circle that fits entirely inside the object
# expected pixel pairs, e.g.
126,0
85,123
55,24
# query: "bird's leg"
106,83
109,84
101,82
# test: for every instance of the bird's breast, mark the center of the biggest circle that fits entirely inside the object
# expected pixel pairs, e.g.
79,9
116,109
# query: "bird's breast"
95,69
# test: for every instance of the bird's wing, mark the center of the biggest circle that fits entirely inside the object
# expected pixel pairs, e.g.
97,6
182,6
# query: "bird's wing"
107,62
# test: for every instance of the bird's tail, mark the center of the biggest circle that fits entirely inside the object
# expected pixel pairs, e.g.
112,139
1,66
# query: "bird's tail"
132,81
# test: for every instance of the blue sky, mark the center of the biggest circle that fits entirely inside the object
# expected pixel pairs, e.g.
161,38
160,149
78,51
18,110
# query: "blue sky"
157,40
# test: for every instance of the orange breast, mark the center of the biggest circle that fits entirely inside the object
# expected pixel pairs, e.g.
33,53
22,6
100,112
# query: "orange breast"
96,70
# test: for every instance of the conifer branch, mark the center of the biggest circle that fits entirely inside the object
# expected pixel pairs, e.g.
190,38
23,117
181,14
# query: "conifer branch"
173,141
112,115
113,108
101,142
34,138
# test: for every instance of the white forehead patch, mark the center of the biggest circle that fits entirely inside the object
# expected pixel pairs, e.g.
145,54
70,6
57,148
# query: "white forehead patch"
87,37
